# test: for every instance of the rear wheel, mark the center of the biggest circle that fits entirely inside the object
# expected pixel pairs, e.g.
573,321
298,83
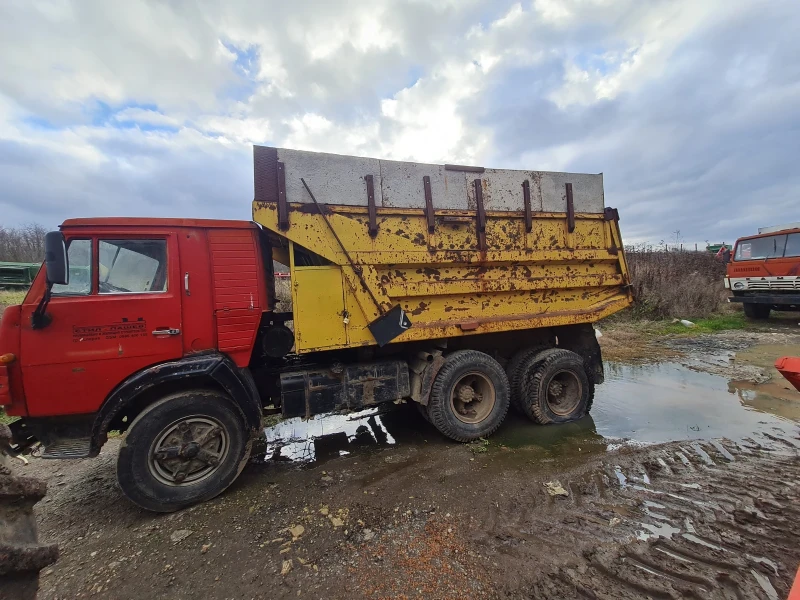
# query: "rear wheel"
470,396
557,389
185,448
756,311
516,369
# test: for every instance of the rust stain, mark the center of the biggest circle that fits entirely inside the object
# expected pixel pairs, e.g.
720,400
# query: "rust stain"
420,308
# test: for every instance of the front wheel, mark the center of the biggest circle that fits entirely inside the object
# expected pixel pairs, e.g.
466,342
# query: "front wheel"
186,448
470,396
756,311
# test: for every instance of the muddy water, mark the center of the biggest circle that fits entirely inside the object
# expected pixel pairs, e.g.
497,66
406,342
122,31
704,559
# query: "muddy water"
666,402
650,403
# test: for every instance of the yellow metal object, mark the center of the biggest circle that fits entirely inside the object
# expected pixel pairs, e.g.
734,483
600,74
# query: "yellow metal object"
6,359
448,287
318,304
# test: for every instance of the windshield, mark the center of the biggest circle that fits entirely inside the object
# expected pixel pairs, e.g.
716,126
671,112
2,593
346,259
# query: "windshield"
773,246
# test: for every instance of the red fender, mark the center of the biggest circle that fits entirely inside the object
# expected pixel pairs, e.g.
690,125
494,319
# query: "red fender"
789,367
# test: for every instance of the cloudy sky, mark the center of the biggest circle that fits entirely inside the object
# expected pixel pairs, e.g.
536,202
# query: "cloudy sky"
691,108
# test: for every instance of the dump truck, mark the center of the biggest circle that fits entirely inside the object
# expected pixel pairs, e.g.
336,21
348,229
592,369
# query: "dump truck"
764,272
461,289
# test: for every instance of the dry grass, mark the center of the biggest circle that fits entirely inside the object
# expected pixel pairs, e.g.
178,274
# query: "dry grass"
10,297
682,285
283,293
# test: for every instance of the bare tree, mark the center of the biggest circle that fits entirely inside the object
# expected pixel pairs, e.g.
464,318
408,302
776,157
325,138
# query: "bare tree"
22,244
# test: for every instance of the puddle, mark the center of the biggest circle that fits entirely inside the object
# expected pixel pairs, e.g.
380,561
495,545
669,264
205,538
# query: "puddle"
656,530
668,402
330,436
765,585
645,404
656,403
768,397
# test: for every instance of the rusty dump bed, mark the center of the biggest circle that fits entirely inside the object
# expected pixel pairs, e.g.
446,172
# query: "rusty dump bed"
463,250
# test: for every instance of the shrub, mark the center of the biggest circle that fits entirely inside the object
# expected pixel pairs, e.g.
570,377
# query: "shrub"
680,284
283,294
22,244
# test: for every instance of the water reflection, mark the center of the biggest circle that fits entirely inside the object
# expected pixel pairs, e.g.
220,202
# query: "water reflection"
645,403
326,436
667,401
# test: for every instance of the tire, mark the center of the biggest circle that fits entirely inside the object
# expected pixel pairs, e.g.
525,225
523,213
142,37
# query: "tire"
519,364
172,483
423,411
450,407
590,401
543,404
756,311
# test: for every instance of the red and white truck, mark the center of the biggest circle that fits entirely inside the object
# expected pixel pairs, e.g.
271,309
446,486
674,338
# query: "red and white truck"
764,272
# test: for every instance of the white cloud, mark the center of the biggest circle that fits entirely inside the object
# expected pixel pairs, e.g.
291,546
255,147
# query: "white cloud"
152,106
145,117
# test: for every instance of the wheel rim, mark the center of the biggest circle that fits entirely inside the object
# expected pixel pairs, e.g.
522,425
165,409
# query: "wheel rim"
188,450
564,391
473,398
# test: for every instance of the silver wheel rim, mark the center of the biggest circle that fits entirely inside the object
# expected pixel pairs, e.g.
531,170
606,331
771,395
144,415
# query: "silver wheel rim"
563,392
188,451
472,398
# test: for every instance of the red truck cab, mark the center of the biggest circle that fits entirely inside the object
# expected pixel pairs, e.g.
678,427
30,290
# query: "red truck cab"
167,304
764,272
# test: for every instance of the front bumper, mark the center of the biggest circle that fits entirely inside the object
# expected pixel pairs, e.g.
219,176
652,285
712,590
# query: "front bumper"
771,299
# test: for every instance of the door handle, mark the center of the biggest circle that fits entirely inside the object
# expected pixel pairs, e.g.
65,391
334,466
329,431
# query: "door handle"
167,332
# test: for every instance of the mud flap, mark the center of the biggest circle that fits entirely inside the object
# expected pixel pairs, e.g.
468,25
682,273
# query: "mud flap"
384,329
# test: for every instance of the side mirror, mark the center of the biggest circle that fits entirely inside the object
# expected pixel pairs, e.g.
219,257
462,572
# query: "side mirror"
55,258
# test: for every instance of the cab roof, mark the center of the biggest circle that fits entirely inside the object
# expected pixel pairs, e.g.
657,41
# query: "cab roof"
153,222
769,234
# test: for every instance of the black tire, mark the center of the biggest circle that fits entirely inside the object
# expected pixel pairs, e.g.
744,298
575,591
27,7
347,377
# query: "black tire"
423,411
590,400
144,479
565,368
452,417
756,311
516,369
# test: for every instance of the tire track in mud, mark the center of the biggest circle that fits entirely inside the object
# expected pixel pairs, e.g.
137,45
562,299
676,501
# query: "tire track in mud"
703,519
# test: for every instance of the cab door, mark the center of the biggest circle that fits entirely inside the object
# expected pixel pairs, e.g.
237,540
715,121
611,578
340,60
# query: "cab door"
121,312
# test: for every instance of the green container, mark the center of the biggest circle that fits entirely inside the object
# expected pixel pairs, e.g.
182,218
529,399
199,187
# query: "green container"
17,274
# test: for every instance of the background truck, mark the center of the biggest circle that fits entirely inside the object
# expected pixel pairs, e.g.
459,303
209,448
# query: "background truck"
462,289
764,272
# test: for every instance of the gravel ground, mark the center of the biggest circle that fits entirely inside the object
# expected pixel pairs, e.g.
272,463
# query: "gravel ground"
429,519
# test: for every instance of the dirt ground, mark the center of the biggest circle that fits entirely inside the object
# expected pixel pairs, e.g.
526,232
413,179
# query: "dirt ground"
575,511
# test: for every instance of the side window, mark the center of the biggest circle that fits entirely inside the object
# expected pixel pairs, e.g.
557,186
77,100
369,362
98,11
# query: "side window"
79,253
793,245
132,266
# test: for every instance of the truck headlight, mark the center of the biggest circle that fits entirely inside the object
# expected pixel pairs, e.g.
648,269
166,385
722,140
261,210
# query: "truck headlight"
738,285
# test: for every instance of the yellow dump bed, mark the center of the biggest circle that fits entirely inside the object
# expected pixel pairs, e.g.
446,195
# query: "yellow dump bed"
461,250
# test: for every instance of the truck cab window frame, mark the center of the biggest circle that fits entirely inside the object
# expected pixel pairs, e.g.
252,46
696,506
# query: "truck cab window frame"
80,255
761,248
792,246
132,266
